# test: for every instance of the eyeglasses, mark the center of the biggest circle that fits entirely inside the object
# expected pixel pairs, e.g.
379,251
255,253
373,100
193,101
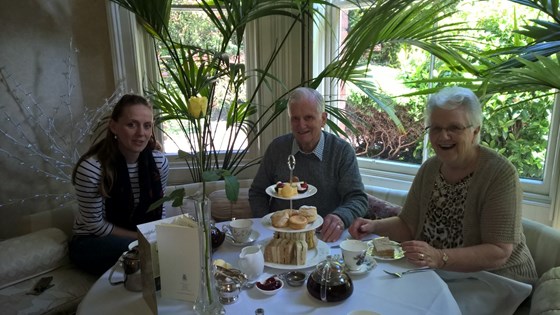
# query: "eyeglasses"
451,130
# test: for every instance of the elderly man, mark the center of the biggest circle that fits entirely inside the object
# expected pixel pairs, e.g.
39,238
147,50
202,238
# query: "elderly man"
322,160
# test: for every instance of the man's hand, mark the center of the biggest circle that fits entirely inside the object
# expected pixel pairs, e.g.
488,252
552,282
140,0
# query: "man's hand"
332,228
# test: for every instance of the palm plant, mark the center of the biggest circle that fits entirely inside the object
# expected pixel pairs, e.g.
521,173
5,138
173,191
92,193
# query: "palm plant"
196,71
415,23
532,67
514,69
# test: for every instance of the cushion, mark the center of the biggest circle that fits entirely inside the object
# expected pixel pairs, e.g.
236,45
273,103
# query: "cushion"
546,298
543,242
30,255
378,208
70,285
224,210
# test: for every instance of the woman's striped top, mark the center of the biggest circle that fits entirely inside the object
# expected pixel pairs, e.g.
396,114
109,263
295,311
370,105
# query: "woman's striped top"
90,219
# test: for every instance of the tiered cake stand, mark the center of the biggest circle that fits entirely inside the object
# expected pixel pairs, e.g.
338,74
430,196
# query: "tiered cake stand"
315,255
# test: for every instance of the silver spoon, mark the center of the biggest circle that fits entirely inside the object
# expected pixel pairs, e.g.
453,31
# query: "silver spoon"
400,274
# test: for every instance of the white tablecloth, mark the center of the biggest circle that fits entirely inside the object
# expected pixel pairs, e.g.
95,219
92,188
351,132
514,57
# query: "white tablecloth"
417,293
485,293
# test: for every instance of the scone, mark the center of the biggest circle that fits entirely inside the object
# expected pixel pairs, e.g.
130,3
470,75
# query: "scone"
280,218
297,222
308,212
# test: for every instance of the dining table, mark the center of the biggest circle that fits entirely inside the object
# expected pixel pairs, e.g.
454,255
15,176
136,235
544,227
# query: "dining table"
413,293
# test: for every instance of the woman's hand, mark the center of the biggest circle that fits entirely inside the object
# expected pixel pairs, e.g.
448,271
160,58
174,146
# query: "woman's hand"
360,228
422,254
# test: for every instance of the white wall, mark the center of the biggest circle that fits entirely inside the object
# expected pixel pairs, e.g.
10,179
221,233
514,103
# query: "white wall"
34,45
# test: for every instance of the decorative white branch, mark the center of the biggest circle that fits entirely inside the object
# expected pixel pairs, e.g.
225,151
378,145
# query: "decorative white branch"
51,150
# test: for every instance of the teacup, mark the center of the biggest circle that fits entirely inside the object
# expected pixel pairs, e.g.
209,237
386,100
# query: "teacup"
353,253
240,229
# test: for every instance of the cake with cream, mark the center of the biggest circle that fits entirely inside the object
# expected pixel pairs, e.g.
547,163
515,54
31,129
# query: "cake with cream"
384,247
290,189
287,190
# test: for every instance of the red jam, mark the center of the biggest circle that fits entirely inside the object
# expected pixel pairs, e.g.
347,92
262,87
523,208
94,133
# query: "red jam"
269,284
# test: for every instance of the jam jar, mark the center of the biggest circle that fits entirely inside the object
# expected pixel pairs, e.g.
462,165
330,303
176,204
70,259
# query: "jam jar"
216,236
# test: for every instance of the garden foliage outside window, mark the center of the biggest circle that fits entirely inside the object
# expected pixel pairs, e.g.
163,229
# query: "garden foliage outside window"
519,131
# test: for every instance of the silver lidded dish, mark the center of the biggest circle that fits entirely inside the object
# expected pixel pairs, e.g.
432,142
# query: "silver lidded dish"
294,278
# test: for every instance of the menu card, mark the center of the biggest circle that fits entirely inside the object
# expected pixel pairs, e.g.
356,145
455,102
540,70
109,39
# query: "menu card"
179,258
149,263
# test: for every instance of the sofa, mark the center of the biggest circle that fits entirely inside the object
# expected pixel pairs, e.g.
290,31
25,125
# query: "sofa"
26,259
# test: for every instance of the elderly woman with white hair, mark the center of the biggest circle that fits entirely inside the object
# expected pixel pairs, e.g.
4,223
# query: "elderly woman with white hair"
463,211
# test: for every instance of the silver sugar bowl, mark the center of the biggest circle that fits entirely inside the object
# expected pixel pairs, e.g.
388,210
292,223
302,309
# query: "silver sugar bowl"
228,290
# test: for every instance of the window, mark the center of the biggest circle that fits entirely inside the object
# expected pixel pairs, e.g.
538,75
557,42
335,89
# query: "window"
519,132
190,25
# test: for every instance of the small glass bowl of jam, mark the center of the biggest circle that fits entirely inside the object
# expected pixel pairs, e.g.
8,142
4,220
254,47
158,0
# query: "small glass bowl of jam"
270,286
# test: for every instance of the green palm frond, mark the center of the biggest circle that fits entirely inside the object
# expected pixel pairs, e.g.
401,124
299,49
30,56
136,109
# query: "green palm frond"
154,15
532,67
416,22
232,17
549,7
540,75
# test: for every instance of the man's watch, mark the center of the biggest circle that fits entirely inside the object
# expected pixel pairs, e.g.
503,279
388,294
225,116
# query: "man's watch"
444,258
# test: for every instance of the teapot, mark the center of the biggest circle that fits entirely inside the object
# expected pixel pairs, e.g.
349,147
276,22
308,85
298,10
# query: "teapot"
329,282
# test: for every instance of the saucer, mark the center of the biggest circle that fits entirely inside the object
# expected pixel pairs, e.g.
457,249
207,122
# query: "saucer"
252,238
368,265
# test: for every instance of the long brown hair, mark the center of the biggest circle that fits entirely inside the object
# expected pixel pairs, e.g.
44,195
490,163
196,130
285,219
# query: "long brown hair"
107,149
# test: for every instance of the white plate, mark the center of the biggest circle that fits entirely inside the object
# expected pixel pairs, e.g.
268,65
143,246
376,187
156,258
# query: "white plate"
266,221
365,267
311,190
314,256
252,238
399,253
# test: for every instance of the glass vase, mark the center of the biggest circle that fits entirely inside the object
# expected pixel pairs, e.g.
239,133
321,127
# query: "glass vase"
208,302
